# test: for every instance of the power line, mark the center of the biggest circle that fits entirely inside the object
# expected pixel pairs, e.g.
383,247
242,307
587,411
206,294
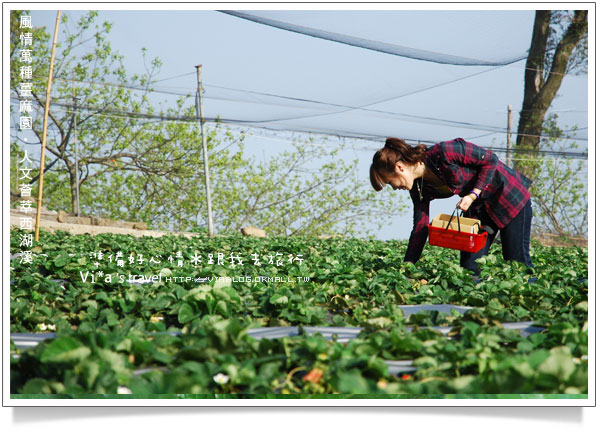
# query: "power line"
565,154
555,73
378,139
345,108
130,87
551,153
362,107
141,115
175,77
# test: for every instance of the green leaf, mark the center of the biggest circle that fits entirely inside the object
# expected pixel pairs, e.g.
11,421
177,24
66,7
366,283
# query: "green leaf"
223,282
61,260
36,386
278,299
462,382
352,382
90,370
186,313
559,363
64,349
524,369
222,308
379,322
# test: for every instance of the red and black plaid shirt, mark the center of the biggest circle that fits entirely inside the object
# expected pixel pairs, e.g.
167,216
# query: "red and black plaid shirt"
463,166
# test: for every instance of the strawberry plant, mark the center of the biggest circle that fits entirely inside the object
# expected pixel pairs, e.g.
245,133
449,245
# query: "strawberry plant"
179,323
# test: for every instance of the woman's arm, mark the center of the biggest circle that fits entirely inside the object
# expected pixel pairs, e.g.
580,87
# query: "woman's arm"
461,153
418,236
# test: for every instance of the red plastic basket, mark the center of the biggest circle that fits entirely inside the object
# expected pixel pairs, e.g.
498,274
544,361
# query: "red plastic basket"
453,239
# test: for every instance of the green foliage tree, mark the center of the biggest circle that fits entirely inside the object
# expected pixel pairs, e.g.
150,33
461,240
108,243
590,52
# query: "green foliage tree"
309,189
143,162
558,46
96,113
559,189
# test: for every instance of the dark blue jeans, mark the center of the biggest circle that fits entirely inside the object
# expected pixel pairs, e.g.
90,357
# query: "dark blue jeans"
515,238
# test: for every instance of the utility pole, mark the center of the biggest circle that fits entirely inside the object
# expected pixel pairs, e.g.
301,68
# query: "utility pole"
200,115
77,209
38,214
508,136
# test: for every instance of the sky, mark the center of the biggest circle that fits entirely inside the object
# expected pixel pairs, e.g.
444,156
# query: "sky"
412,99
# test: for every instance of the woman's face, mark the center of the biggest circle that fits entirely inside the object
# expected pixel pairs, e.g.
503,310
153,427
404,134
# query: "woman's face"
402,178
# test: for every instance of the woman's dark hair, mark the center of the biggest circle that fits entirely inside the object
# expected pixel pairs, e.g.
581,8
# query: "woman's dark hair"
385,159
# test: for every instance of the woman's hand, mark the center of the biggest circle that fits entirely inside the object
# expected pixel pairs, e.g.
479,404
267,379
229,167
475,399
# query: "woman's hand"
465,203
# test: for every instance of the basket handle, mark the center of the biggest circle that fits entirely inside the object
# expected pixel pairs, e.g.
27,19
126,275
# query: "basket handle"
455,211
